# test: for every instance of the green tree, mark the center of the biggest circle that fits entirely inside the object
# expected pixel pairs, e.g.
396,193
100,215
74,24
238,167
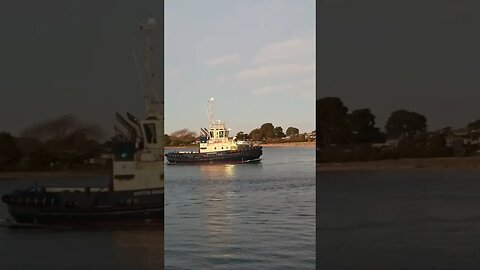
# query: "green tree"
256,134
242,136
279,132
267,130
403,123
292,131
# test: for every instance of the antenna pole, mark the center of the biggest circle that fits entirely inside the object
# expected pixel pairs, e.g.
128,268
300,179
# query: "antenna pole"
139,73
152,102
211,112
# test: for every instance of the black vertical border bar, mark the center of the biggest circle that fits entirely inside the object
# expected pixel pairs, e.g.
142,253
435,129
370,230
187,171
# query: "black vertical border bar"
161,83
318,5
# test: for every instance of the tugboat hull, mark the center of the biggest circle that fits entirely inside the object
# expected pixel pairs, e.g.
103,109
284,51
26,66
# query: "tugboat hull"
81,208
252,154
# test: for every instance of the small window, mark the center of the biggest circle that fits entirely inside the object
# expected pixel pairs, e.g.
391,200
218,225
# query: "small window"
124,151
211,134
150,133
221,134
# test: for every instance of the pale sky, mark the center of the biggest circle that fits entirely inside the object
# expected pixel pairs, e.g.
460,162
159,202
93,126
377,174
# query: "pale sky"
255,57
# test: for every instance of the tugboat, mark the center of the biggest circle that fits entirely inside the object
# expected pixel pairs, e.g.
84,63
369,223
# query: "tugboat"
216,147
136,188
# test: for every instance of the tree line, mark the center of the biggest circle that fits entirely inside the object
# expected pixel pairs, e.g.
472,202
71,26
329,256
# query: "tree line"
266,133
65,143
59,144
353,136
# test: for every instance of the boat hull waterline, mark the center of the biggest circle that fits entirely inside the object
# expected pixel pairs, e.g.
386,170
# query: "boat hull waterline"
37,207
245,156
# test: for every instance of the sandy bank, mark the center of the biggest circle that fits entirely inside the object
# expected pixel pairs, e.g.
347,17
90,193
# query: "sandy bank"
453,163
290,144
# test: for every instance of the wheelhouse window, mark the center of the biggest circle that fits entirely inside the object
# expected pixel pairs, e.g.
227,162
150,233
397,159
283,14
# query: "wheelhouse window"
124,151
150,133
221,134
211,134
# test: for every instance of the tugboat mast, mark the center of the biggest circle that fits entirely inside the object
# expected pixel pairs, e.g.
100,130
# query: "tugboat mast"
211,113
154,106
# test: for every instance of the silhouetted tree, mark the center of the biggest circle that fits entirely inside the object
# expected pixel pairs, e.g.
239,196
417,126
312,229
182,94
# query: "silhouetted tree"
362,122
331,117
474,125
437,146
9,152
404,123
361,119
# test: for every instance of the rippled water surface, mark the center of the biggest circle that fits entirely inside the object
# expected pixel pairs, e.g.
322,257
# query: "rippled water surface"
245,216
414,219
51,249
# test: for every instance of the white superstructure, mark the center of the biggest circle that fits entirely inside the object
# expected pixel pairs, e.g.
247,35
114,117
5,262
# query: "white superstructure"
140,164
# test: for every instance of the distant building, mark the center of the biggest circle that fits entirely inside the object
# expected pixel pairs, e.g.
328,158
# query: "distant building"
462,135
389,144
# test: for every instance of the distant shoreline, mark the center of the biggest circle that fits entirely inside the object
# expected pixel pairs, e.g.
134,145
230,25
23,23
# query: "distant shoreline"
448,163
289,144
286,144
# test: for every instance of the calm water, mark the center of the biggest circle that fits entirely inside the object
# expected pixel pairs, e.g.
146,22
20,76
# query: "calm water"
50,249
417,219
247,216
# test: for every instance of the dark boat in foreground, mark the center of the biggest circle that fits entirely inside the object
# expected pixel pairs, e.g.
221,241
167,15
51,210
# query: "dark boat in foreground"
136,189
248,155
216,147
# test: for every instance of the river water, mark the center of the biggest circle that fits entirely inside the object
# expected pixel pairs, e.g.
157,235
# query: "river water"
413,219
245,216
250,216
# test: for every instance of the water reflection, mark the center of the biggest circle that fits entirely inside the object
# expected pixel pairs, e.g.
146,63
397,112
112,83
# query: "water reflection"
242,216
221,172
217,200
